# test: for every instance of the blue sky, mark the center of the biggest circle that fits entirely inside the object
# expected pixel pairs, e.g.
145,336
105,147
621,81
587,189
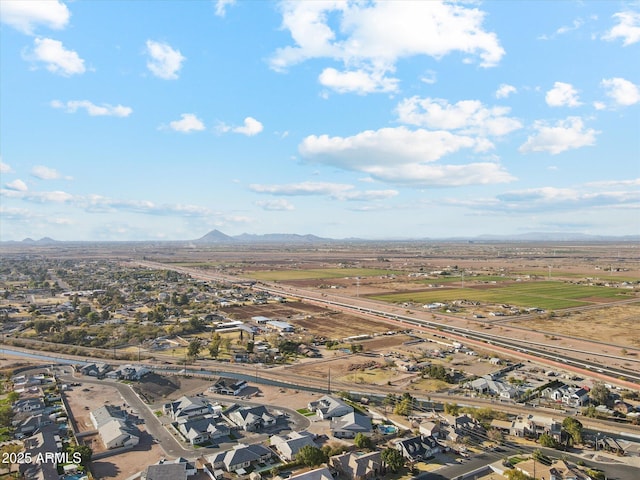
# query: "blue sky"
163,120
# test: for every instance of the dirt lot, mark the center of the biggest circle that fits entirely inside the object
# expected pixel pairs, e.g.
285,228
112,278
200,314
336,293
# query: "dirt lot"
86,397
616,325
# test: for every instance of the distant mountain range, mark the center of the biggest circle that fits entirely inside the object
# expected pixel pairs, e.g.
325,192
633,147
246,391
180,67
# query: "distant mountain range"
217,237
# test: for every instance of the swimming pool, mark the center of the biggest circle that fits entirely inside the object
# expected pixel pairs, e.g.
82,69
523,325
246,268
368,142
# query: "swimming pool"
387,429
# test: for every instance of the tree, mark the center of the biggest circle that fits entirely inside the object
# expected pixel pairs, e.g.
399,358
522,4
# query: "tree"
548,441
311,456
392,458
194,348
599,394
573,428
85,453
405,406
362,441
514,474
495,435
452,409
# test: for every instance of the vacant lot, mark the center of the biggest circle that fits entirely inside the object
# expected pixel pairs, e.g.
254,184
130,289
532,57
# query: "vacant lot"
615,325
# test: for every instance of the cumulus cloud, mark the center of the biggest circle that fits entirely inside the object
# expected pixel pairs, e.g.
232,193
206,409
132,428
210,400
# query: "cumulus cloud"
188,123
337,191
92,109
164,61
627,28
468,116
370,37
562,95
221,6
56,58
357,81
250,127
275,205
504,90
25,16
17,185
565,135
400,155
623,92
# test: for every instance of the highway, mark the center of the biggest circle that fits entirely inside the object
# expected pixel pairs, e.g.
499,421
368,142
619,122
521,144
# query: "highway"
588,362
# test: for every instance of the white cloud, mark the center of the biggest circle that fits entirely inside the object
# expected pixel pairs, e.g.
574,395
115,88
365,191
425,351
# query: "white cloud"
399,155
576,24
275,205
562,95
627,28
250,128
599,105
17,185
164,62
547,199
468,116
105,109
45,173
188,123
337,191
5,167
357,81
504,90
57,58
565,135
430,77
26,15
370,37
623,92
221,6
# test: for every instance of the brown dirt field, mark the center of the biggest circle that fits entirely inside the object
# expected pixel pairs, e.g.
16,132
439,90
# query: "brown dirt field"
87,397
617,325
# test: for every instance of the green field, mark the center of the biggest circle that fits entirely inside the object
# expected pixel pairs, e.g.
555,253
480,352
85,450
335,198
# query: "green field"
320,273
548,295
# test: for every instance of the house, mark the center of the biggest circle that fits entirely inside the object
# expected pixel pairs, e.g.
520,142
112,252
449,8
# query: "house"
430,429
322,473
202,430
250,419
358,466
118,434
349,425
280,326
418,448
240,457
165,471
532,426
128,372
29,405
228,386
98,370
559,470
41,443
105,414
288,446
33,423
187,407
328,407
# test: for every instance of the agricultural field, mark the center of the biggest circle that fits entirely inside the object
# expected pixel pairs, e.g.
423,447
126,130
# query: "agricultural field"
548,295
322,273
